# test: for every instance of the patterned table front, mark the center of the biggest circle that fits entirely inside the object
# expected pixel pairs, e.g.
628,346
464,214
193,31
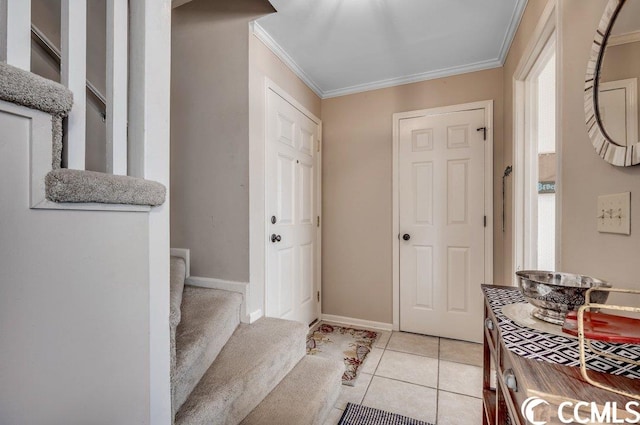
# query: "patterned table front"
537,345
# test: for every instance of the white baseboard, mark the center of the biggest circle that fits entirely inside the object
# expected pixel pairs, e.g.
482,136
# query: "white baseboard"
185,254
341,320
255,315
228,285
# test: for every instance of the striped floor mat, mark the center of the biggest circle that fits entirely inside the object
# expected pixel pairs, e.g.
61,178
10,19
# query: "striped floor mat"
356,414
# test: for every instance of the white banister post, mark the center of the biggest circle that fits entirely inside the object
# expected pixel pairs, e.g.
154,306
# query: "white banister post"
117,80
150,77
15,33
73,70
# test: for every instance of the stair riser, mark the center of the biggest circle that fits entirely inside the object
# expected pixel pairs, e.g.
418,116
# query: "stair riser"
254,361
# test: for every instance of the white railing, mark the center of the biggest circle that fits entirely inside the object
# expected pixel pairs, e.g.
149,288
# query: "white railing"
73,72
15,49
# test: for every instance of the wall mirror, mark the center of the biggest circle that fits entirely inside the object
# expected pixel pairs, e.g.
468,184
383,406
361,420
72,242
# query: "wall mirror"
611,84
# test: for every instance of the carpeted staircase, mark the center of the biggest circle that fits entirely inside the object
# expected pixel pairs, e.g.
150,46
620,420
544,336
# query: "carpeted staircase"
222,372
225,372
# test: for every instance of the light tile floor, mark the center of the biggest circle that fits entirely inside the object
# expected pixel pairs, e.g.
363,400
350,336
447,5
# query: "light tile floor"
433,379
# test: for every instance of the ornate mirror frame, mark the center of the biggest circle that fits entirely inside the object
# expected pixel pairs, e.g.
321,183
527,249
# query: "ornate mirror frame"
606,148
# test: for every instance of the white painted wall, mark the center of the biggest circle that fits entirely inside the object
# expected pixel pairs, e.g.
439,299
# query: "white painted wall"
74,305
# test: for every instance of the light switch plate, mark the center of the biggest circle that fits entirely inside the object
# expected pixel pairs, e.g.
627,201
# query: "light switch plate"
614,213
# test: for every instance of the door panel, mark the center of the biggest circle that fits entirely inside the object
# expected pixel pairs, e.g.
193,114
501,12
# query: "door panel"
291,198
285,184
424,276
285,282
423,188
441,195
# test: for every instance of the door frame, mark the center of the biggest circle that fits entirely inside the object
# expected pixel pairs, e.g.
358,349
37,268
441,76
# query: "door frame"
270,85
547,35
487,105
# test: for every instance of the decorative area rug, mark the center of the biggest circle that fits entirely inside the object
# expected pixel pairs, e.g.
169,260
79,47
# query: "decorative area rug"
338,342
356,414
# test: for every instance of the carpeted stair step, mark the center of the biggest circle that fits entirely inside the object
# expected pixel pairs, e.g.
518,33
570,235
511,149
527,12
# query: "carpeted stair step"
304,397
254,360
208,319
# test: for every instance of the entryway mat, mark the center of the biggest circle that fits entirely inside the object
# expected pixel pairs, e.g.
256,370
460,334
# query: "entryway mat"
342,343
357,414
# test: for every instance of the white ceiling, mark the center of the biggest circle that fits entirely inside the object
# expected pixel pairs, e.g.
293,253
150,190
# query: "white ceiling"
347,46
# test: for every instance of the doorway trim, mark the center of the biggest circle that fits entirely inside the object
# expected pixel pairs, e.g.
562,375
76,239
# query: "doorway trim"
487,105
547,31
258,233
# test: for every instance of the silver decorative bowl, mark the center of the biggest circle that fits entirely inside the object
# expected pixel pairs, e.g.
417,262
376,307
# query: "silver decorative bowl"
554,294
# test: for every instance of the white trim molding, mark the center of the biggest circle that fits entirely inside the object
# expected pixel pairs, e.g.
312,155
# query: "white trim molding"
231,286
487,105
416,78
350,321
546,35
185,254
277,50
630,37
257,30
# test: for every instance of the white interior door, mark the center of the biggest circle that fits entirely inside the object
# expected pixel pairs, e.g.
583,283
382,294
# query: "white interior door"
442,220
618,107
291,206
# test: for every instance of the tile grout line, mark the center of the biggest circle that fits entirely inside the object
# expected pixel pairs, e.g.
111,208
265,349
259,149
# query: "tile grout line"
373,375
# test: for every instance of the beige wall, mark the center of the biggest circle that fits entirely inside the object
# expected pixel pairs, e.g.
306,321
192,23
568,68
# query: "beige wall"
585,175
263,64
357,173
357,207
210,134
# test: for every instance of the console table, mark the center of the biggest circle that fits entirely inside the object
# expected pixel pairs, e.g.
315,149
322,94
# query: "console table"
509,378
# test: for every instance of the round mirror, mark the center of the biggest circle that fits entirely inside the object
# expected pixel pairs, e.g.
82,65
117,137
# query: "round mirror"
611,88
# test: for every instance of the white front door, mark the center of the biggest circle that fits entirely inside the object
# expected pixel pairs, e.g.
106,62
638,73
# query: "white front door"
291,206
442,220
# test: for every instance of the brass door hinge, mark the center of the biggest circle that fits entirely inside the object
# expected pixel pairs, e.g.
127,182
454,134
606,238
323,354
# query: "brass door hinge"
318,296
318,221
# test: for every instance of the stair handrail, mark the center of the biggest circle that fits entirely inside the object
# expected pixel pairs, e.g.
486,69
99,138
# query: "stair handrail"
54,53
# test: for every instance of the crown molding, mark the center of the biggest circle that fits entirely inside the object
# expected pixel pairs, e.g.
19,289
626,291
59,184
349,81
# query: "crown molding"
273,45
415,78
630,37
516,17
268,41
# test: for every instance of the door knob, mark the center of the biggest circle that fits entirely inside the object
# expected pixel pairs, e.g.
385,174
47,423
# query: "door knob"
406,236
275,238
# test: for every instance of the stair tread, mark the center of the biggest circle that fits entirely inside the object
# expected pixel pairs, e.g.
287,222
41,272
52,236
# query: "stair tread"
209,318
254,360
304,397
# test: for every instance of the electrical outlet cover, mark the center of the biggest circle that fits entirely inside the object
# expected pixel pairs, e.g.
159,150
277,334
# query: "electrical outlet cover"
614,213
